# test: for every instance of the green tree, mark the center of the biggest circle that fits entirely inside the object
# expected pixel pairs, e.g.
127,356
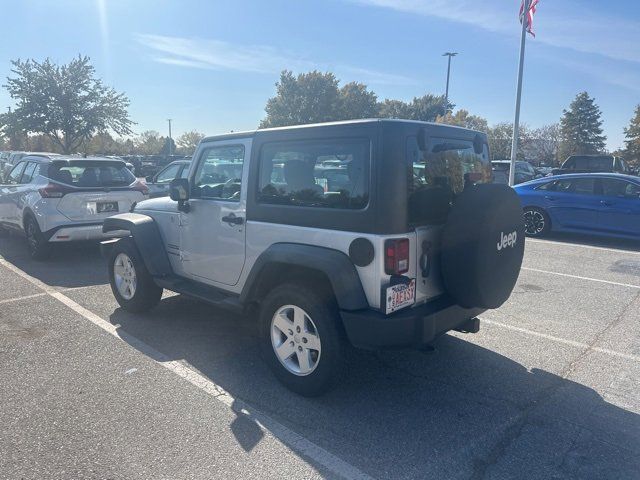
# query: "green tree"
16,138
394,109
581,128
168,146
632,138
428,107
500,137
462,118
543,144
425,108
188,141
149,143
356,101
307,98
67,103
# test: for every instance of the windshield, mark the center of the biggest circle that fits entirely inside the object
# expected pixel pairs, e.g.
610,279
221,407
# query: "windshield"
92,174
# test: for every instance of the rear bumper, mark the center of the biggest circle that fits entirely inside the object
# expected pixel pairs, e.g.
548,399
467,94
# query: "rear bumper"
412,327
74,233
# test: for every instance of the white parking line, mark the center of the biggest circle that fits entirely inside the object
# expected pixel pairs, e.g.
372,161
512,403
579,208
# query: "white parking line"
564,341
628,285
270,426
581,245
25,297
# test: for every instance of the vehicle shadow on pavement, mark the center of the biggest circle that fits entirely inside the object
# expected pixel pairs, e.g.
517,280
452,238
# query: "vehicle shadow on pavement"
71,265
461,411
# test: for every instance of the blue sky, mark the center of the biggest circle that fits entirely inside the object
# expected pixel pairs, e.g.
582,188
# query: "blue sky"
211,65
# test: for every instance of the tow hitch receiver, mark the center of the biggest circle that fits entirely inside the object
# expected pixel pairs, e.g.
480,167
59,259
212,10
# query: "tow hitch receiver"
470,326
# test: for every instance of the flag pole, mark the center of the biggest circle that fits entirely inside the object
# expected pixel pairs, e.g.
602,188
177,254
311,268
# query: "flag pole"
516,126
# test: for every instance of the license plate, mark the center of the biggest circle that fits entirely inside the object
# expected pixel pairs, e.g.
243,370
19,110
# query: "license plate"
104,207
400,296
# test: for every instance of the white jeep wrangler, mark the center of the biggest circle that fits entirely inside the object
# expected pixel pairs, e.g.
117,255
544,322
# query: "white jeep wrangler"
378,233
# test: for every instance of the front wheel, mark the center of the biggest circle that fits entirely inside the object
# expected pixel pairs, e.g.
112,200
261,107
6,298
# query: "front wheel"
131,283
301,339
536,222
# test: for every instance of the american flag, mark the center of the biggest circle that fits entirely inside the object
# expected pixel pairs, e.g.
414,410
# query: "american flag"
532,10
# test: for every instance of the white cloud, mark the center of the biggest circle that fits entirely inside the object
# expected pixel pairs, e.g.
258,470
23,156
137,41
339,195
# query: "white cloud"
219,55
561,23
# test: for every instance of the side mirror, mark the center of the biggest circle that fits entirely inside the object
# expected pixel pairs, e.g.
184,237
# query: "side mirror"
179,192
150,178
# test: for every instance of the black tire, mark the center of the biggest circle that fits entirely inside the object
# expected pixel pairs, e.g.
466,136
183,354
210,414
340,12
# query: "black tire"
38,246
146,294
536,222
323,312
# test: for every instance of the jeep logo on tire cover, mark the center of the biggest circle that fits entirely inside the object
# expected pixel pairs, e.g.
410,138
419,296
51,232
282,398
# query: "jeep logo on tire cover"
507,240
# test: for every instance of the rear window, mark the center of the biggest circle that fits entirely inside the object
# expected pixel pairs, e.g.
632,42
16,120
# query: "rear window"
593,163
329,174
91,174
440,173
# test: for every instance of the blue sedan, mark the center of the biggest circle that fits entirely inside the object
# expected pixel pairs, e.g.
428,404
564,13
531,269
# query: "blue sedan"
596,203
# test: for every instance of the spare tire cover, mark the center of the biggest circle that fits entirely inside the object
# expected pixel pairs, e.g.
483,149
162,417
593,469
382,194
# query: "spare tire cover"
482,246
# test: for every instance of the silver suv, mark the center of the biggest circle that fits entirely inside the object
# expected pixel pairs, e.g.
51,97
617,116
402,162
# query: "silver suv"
374,233
62,199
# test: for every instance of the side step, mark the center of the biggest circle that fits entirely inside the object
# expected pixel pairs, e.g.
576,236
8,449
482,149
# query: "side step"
200,291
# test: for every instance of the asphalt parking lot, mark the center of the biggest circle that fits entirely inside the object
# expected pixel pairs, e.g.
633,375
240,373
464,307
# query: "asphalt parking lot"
549,388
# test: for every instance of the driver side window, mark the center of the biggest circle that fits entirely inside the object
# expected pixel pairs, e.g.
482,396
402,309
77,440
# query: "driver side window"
219,173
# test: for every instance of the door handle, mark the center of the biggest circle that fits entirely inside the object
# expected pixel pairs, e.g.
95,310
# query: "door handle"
231,220
549,197
605,203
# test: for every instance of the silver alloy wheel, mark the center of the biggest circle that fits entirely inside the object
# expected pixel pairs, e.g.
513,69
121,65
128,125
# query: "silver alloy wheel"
295,340
534,222
124,275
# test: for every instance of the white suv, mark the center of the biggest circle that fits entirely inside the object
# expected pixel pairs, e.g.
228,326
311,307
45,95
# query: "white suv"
61,199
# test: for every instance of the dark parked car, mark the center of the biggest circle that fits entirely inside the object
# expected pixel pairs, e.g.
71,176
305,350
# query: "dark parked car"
591,164
596,203
524,171
158,184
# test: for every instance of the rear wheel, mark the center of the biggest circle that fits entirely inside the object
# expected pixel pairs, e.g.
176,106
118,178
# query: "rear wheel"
301,339
536,222
131,283
38,246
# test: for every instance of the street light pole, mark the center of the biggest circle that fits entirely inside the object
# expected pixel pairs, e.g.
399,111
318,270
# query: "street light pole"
170,141
448,54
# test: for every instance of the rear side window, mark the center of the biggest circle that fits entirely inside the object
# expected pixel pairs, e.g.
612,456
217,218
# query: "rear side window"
619,188
320,173
91,174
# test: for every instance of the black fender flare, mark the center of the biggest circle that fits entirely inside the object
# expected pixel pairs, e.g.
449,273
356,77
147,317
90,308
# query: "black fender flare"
146,236
335,265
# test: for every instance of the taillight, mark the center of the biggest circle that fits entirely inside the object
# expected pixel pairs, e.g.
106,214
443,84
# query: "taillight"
140,187
53,190
396,256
